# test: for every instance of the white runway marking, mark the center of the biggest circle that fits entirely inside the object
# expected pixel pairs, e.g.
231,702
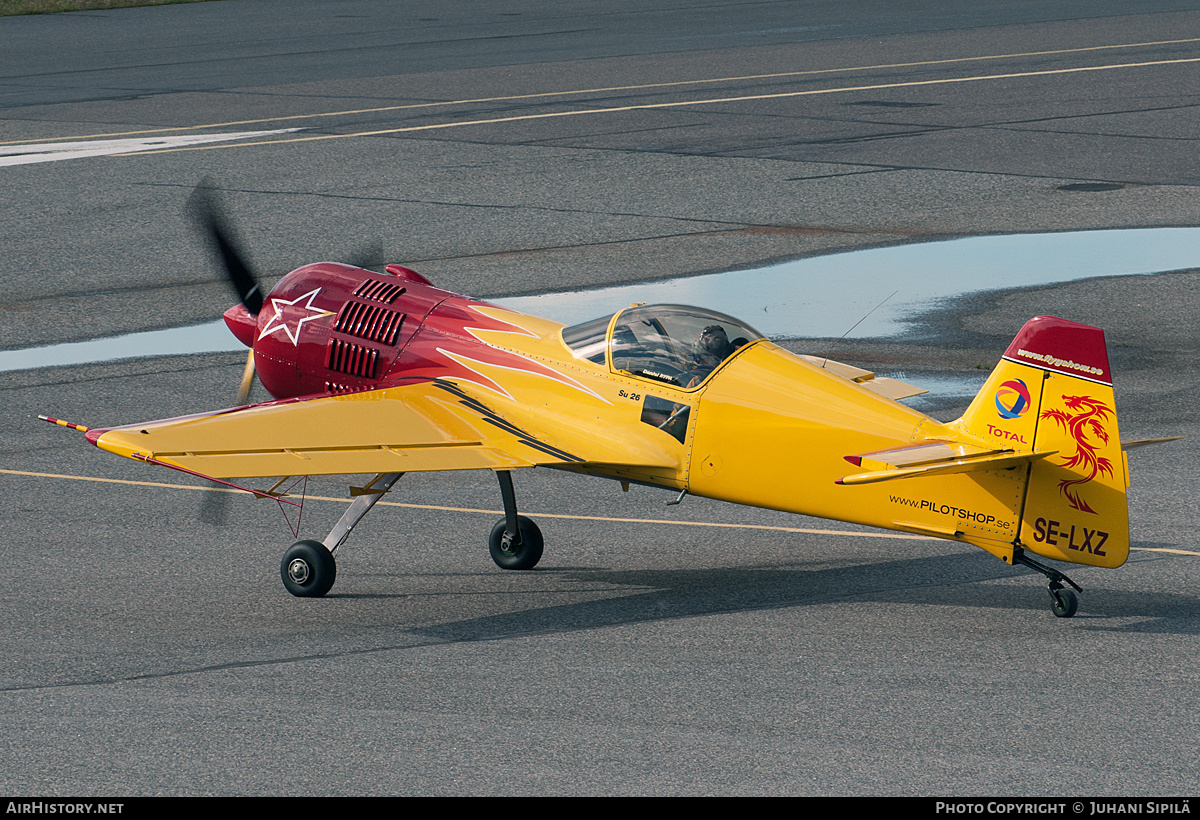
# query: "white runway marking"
54,151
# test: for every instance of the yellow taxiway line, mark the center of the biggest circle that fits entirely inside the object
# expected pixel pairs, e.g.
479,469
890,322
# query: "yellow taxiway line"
473,511
615,88
679,104
164,485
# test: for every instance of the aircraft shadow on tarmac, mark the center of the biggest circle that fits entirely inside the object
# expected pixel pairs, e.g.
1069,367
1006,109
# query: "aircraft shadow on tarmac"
952,580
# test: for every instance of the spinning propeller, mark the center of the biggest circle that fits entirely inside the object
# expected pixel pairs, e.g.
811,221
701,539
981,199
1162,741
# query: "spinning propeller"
204,206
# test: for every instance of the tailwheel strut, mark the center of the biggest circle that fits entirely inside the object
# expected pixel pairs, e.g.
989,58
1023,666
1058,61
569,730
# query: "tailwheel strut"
515,541
308,568
1063,602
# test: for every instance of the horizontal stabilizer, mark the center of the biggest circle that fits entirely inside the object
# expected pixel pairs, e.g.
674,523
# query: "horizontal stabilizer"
935,458
1129,445
888,388
893,388
927,453
846,371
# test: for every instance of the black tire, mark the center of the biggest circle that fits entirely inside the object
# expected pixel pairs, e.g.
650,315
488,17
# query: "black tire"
308,569
1066,603
523,555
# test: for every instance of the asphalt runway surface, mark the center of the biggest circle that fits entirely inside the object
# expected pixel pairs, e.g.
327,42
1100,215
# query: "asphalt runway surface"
703,648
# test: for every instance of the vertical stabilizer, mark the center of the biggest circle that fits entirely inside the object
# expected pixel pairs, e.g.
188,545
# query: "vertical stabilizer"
1052,391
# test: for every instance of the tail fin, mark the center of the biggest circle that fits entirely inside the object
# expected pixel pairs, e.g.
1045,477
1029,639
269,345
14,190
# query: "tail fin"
1052,391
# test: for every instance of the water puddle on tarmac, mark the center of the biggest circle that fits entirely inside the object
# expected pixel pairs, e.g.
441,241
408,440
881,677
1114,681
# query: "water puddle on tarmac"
818,297
213,337
963,387
825,296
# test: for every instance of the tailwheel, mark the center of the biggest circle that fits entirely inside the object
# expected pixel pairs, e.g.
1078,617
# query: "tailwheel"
1065,601
308,569
521,551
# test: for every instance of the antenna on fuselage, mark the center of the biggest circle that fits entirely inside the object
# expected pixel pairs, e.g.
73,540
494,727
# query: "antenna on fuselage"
856,324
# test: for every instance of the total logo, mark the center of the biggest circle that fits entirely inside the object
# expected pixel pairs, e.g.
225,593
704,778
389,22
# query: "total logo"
1007,435
1012,399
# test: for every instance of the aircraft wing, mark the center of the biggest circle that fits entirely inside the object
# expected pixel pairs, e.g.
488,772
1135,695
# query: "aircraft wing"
435,425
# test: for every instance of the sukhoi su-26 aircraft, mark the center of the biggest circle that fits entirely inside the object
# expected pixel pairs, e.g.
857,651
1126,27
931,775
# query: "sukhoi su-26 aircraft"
386,374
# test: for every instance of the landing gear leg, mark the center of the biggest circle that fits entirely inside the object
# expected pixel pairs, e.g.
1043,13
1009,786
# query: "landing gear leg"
308,568
367,496
1063,602
515,541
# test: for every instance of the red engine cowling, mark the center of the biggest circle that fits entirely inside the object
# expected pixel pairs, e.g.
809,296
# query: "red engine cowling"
332,328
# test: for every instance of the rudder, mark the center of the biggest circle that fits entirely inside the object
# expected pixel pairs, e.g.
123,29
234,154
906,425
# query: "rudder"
1052,391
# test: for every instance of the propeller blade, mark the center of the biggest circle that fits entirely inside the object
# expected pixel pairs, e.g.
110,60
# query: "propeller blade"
247,379
214,506
204,207
369,257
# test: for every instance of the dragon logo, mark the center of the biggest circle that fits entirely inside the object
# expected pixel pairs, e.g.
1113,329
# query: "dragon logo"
1012,399
1084,424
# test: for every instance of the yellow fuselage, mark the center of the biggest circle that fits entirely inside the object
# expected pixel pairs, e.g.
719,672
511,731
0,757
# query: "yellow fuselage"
766,429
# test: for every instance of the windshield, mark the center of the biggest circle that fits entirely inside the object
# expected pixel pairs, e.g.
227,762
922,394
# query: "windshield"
587,340
673,344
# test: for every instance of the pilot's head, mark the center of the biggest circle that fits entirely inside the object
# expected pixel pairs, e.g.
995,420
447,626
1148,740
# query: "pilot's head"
713,342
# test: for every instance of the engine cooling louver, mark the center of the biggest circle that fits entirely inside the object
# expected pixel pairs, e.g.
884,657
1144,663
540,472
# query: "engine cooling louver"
378,291
351,359
370,322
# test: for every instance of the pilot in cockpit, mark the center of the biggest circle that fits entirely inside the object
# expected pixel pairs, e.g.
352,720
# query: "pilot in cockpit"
710,349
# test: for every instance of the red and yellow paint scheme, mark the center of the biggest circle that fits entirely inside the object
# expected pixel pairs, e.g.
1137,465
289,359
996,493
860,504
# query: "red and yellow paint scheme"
385,373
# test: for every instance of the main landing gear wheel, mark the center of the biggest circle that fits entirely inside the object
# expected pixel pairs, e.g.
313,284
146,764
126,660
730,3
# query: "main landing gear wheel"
308,569
1065,602
523,552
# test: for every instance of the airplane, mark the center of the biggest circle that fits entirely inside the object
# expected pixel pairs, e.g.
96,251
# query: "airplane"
386,374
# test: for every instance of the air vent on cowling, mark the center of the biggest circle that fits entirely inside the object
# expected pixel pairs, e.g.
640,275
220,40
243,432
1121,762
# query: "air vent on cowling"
377,324
351,359
378,291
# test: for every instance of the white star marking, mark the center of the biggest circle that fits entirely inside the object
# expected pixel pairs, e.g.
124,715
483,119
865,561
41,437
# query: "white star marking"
279,304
